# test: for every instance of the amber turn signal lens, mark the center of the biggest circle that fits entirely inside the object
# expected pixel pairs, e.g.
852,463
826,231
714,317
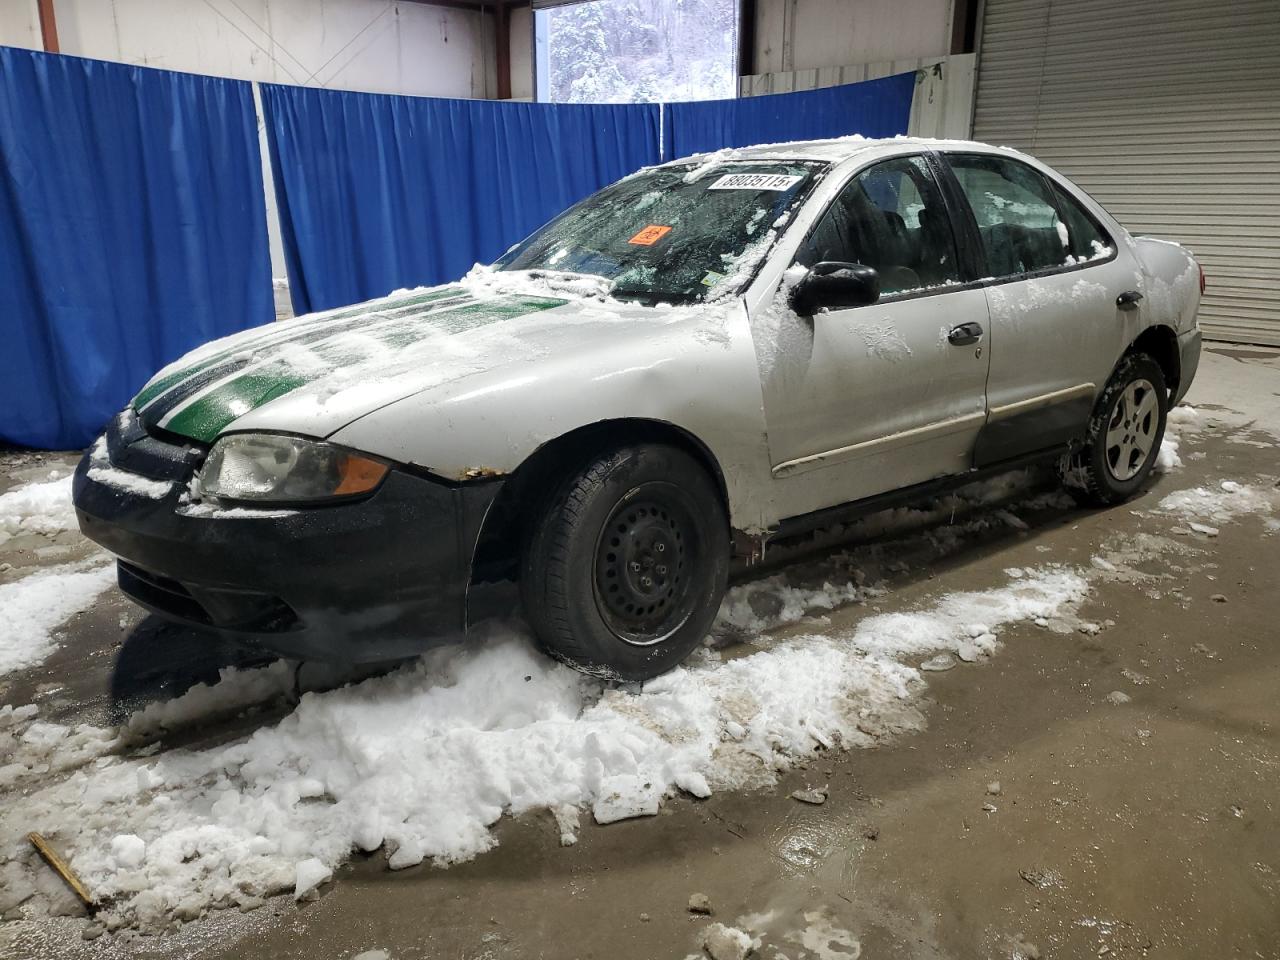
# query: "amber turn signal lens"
358,474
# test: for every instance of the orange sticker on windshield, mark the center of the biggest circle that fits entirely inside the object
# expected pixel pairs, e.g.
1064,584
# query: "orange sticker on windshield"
650,235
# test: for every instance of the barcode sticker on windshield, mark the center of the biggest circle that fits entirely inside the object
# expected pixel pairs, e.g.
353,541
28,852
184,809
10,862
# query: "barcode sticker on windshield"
756,181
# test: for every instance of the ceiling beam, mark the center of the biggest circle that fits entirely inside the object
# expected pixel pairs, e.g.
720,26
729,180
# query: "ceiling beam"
48,25
476,5
502,45
746,38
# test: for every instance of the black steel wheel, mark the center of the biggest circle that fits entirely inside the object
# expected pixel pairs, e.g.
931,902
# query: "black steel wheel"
645,561
625,568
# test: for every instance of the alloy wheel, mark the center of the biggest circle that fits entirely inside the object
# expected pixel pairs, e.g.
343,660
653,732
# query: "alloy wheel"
1131,430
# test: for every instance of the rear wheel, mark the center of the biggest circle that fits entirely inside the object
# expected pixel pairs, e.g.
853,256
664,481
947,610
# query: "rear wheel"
624,569
1124,434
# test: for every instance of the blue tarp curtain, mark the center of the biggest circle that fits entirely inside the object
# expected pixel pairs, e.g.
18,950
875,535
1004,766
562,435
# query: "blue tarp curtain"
378,191
133,224
873,108
132,228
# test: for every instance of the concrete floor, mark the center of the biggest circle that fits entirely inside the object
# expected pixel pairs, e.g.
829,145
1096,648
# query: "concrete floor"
1144,828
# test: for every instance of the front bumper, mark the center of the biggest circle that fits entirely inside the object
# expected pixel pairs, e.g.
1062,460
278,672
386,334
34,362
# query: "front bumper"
1188,362
377,579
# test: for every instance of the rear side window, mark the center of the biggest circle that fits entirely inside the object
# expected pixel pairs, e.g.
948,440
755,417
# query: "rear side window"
1027,224
891,217
1085,238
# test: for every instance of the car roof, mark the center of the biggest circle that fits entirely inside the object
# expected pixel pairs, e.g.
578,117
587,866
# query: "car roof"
833,150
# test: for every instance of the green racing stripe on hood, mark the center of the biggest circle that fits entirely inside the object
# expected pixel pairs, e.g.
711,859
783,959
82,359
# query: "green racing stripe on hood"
209,413
286,331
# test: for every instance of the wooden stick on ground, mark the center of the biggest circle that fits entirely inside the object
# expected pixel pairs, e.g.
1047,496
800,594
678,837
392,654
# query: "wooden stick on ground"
60,867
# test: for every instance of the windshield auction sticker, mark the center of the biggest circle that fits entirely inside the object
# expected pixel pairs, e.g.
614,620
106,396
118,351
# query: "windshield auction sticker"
756,181
650,235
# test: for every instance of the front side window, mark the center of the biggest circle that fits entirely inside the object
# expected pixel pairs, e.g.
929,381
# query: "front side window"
1026,224
890,217
673,234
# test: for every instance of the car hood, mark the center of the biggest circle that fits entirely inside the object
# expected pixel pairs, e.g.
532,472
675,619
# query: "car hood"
317,373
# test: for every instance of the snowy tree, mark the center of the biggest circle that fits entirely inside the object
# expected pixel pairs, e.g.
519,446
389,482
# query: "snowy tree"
631,51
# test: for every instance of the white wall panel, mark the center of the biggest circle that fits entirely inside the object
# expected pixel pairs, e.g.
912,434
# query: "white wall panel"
20,24
941,106
804,34
381,46
520,27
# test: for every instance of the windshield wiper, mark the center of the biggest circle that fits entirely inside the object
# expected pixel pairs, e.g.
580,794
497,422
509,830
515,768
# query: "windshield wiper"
568,281
651,297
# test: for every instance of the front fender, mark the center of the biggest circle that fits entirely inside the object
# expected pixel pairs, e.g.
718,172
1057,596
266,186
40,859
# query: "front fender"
698,374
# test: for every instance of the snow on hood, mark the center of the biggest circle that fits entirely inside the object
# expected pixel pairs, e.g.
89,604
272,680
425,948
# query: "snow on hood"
317,373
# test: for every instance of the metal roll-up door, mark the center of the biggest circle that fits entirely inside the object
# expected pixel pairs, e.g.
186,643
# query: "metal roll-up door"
1168,113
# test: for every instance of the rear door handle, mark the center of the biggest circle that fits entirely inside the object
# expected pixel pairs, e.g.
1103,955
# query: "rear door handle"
1128,300
965,333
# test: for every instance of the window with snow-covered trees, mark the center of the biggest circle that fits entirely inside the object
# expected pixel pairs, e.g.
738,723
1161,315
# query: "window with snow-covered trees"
636,51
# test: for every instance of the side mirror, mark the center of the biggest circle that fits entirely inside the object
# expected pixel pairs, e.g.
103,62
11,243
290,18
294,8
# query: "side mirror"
835,285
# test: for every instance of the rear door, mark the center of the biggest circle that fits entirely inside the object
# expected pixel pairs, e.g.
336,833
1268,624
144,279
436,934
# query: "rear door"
866,400
1060,297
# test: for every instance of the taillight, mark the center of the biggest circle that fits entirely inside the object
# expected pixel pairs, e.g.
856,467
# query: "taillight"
1201,266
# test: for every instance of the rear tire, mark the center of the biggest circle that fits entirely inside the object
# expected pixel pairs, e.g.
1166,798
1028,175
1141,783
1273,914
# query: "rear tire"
1124,434
624,569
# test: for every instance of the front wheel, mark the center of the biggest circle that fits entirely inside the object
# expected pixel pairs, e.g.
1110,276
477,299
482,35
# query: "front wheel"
624,569
1124,434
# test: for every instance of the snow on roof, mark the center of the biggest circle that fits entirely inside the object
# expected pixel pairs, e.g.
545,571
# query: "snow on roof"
831,150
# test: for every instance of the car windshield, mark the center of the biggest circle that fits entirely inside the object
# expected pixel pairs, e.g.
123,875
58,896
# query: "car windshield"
673,234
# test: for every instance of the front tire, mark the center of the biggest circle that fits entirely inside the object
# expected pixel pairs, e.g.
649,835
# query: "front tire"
624,570
1124,434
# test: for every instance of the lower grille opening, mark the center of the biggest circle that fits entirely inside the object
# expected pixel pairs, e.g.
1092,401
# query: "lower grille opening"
208,606
161,593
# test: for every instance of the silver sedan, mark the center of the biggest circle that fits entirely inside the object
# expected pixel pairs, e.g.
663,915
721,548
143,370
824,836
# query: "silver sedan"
698,359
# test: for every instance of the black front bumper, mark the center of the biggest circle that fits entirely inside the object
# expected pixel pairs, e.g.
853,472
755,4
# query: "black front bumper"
376,579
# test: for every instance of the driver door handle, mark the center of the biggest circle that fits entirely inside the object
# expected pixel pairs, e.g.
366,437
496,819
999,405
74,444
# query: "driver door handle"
965,333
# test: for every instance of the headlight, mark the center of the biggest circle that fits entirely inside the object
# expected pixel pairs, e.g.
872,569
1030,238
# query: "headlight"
263,466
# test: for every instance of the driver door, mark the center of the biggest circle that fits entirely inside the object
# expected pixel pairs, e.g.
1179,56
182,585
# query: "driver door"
864,400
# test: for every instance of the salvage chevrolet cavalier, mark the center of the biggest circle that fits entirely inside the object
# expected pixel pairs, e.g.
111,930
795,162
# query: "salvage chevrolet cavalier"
702,357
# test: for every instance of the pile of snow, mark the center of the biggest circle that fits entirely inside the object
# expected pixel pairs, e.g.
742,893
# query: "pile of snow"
1227,501
32,607
33,748
41,508
1167,458
422,762
772,601
1179,418
236,689
728,943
